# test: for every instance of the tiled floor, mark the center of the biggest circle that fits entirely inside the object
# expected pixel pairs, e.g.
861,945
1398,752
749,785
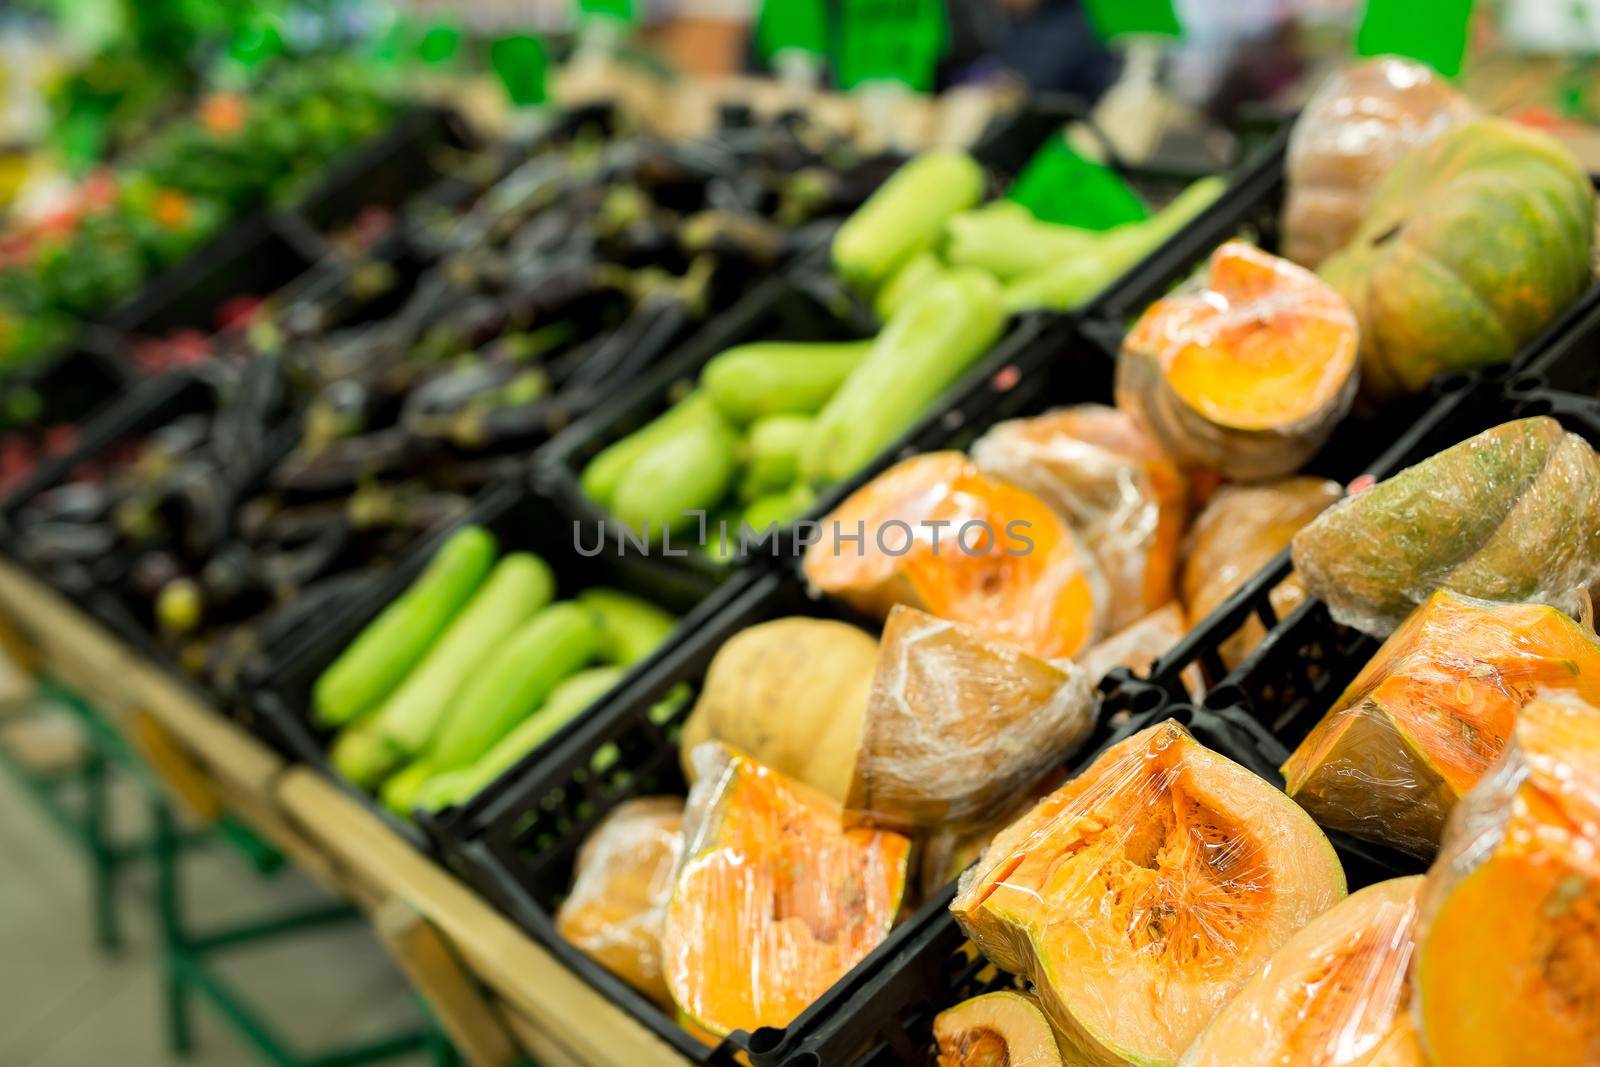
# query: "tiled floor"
63,1004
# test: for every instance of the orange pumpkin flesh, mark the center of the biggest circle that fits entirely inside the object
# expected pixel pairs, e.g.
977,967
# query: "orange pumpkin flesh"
1431,712
1140,895
1111,483
1048,599
1335,995
960,727
1248,376
1508,947
1239,532
619,891
774,900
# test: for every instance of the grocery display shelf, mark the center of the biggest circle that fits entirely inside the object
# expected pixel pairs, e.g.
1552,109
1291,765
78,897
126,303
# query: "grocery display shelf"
520,520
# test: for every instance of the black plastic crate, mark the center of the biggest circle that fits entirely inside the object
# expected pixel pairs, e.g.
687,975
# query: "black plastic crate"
520,520
517,842
889,1020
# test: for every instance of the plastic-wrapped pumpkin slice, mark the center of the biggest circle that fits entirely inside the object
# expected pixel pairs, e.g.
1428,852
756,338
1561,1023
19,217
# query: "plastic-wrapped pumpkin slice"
1112,484
774,900
937,534
997,1028
1335,995
1512,515
1507,971
1239,532
620,888
1143,893
959,726
1350,134
1431,713
1246,376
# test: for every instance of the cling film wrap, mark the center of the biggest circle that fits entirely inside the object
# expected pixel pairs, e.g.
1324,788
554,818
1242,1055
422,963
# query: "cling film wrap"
620,886
960,727
1112,485
1139,646
1244,371
774,899
935,533
1141,895
1337,993
1239,532
1508,958
1431,712
1350,134
1511,515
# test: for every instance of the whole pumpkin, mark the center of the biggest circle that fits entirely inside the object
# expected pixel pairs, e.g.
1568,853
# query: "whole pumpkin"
1470,247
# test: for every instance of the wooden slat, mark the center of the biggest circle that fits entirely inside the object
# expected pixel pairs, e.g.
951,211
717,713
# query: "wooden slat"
186,782
472,1024
532,982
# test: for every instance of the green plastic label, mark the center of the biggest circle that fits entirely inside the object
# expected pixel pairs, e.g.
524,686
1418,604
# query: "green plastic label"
521,63
440,44
1061,185
890,40
617,10
792,26
1430,31
1122,18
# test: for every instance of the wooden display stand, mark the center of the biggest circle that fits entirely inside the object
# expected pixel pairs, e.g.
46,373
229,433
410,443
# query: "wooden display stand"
497,994
500,975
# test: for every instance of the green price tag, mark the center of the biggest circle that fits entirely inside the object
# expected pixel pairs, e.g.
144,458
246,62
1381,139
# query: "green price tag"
1121,18
616,10
1430,31
792,26
890,40
440,45
1060,185
521,63
256,42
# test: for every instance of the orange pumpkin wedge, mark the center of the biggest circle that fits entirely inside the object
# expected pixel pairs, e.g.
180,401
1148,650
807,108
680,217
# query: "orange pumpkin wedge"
1335,995
1507,972
1143,893
937,534
959,727
1431,712
775,900
1240,531
619,891
1112,484
1249,375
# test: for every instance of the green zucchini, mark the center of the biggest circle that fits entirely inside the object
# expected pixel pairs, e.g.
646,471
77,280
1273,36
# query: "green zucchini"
779,377
604,472
905,216
511,684
566,702
916,274
630,627
1006,240
692,470
402,726
922,351
377,661
772,455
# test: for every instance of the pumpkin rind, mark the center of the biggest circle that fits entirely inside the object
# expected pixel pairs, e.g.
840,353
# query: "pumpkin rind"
1511,515
1470,247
